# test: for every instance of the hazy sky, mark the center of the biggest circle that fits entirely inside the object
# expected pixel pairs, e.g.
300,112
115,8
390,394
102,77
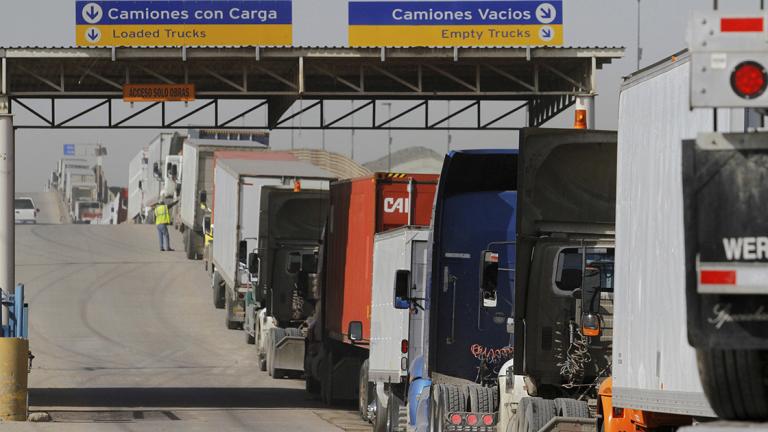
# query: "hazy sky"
323,23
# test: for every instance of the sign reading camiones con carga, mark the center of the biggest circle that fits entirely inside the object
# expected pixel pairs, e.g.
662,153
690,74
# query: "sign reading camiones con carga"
456,23
183,22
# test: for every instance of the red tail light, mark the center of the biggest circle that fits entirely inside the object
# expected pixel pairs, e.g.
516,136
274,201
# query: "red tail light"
472,419
404,346
455,419
749,79
240,296
488,419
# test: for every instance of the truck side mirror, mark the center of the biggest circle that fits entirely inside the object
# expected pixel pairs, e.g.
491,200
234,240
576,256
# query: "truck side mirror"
140,185
203,197
402,285
355,331
242,251
590,302
156,170
253,263
207,225
294,263
489,278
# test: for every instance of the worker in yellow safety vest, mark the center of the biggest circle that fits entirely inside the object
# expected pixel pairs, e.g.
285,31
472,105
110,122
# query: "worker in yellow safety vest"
162,220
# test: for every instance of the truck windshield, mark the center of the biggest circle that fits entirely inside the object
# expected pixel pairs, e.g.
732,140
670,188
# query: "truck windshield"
23,204
569,267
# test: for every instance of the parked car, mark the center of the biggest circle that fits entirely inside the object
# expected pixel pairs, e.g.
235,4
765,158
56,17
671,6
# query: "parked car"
25,210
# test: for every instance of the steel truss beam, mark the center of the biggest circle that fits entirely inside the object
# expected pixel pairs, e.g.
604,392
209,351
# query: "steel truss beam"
416,116
545,81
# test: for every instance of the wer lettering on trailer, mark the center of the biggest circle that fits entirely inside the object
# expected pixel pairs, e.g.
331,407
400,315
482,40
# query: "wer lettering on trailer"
397,205
745,248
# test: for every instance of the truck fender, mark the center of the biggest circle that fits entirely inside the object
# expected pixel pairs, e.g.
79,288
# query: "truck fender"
418,403
264,323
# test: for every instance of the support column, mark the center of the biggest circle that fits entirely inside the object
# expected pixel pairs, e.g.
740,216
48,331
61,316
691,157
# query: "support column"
7,228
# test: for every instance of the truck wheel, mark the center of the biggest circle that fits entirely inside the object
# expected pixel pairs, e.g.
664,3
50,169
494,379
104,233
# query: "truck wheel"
446,398
571,408
189,244
380,419
735,382
533,413
231,325
364,392
250,339
397,414
218,293
276,334
480,399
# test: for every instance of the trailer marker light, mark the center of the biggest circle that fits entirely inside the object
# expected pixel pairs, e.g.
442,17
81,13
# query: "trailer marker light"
718,277
741,25
455,419
749,79
404,346
488,419
590,324
472,419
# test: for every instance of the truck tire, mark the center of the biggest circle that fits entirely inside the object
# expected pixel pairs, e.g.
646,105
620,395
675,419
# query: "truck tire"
364,392
218,291
380,420
250,339
571,408
276,334
397,414
533,413
231,325
446,398
189,244
480,399
735,382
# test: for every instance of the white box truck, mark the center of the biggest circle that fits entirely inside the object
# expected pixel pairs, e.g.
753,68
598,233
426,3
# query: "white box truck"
239,203
197,182
399,255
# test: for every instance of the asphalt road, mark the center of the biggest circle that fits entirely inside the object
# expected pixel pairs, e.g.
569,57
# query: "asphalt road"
125,338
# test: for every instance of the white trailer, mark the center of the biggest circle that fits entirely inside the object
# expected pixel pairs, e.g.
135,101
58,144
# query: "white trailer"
197,184
238,200
399,253
654,367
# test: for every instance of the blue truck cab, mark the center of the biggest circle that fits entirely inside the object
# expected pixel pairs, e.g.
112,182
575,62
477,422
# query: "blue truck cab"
458,330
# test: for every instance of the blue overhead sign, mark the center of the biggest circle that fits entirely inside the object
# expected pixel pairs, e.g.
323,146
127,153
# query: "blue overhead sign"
183,22
69,149
456,23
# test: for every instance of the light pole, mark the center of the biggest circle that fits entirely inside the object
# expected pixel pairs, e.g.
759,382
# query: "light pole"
449,128
389,135
352,138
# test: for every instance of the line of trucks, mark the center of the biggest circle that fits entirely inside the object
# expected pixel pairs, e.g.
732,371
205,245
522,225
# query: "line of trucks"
586,281
84,191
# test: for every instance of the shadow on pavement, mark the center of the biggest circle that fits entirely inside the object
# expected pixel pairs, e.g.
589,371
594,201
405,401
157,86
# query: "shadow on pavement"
175,397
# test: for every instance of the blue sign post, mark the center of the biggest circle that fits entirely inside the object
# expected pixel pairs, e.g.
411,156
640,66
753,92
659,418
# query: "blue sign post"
69,149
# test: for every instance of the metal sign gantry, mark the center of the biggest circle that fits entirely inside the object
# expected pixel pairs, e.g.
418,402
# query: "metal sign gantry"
545,81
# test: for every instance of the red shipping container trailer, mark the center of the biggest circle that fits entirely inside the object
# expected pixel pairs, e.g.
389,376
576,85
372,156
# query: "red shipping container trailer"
360,208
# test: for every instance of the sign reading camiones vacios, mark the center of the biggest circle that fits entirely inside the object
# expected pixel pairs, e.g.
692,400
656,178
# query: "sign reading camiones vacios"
455,23
183,22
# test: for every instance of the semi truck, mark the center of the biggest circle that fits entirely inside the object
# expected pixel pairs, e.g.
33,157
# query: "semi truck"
147,172
197,181
340,330
242,194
